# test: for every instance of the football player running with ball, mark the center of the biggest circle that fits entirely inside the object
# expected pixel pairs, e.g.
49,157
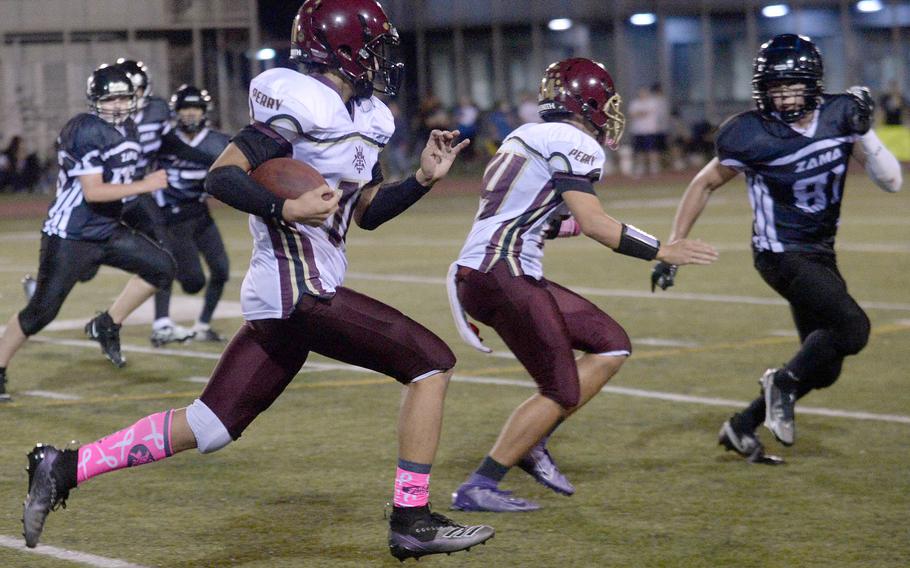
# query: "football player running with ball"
97,153
540,184
293,298
794,150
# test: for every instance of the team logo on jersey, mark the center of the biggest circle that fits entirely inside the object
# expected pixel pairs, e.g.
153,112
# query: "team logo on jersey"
820,160
360,161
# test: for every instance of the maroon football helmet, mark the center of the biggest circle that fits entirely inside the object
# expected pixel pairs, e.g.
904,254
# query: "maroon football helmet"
352,36
582,88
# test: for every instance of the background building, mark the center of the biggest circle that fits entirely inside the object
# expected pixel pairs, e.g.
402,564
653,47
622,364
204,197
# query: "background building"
700,52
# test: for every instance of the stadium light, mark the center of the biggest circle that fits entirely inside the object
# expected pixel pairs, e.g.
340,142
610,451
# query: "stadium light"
560,24
775,10
869,5
643,19
265,54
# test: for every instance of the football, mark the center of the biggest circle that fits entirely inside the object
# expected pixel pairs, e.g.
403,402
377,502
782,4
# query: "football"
287,178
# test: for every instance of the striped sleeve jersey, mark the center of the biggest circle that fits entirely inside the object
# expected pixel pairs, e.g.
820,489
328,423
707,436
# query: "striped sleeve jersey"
343,144
89,145
518,198
187,160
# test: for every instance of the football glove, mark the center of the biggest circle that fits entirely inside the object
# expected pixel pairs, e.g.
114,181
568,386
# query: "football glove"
859,118
662,275
559,228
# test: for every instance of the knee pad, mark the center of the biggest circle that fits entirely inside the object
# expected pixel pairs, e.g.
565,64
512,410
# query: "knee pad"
210,433
33,319
854,334
193,285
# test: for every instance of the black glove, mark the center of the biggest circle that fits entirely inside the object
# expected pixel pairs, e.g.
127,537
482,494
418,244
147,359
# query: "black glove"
859,119
663,275
551,231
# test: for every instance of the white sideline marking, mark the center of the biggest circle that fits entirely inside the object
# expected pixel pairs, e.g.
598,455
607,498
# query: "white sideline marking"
617,293
52,395
695,399
64,554
673,397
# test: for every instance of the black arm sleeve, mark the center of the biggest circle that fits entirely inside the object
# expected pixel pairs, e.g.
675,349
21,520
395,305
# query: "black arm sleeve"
391,200
259,143
233,186
566,182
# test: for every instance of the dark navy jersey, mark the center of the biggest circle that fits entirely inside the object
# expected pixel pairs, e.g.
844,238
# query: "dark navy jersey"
187,162
151,122
90,145
796,180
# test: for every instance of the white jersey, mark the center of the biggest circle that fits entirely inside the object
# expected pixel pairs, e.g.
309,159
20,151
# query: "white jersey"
518,198
293,259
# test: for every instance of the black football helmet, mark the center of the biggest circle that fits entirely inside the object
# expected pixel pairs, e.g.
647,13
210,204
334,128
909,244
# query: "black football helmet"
188,96
354,37
106,83
139,75
787,58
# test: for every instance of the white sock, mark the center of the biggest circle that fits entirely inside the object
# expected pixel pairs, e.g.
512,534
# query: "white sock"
161,323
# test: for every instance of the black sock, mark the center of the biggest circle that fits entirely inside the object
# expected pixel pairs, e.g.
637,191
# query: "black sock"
407,515
752,417
69,459
492,469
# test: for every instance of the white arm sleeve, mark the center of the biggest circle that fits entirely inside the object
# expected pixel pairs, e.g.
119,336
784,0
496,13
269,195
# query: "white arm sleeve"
881,165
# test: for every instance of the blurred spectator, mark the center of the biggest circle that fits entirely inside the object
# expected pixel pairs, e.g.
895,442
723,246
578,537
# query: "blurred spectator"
19,169
893,104
431,115
502,122
398,154
466,122
527,109
678,141
648,120
701,144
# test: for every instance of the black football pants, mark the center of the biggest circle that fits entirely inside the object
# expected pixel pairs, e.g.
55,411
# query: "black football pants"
188,239
830,323
64,262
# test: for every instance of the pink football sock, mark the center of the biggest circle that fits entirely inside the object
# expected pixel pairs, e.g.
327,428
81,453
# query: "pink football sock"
412,489
144,442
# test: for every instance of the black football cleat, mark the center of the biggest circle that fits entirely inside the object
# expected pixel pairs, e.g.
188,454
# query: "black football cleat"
47,490
734,439
103,330
745,443
421,533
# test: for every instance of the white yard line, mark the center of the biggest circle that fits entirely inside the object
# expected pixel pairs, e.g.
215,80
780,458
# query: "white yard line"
69,555
668,396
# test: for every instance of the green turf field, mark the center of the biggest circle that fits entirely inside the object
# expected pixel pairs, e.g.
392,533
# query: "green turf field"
307,483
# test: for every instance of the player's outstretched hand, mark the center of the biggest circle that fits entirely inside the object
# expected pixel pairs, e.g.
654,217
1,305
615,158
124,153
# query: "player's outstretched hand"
313,207
685,251
663,275
860,117
438,155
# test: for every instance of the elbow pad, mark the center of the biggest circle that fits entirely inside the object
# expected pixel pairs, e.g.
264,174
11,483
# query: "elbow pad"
233,186
881,165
